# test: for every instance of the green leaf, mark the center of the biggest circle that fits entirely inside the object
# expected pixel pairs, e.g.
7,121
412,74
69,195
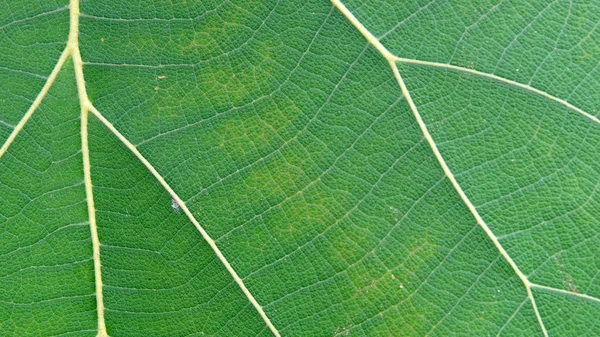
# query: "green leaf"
299,168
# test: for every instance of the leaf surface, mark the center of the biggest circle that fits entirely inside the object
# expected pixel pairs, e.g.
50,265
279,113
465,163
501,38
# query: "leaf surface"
421,168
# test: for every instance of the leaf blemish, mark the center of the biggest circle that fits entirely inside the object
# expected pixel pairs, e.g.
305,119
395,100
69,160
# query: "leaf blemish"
175,205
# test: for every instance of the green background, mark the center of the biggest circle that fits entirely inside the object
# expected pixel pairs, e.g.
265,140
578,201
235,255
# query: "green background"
287,136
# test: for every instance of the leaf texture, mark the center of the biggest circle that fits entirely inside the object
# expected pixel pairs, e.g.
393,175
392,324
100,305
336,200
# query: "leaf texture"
381,168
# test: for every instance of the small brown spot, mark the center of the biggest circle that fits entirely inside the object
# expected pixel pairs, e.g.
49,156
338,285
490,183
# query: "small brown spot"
155,88
162,77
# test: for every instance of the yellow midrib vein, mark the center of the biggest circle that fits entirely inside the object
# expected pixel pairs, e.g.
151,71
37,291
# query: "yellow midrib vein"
464,197
86,106
392,59
72,49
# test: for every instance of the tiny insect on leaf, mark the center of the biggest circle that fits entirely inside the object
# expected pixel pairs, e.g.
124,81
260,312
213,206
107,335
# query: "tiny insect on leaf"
175,205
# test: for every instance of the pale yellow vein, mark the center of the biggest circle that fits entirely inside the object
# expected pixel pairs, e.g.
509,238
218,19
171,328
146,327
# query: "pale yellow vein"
566,292
73,46
392,62
391,58
72,49
190,216
503,80
463,196
36,103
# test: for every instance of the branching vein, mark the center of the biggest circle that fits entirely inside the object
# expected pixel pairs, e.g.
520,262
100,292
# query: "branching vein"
503,80
392,59
72,49
566,293
36,103
189,214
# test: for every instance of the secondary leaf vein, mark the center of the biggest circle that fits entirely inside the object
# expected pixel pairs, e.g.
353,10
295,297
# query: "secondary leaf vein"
189,214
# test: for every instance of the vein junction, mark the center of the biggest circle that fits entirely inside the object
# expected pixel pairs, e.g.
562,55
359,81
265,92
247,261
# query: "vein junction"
72,50
392,59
